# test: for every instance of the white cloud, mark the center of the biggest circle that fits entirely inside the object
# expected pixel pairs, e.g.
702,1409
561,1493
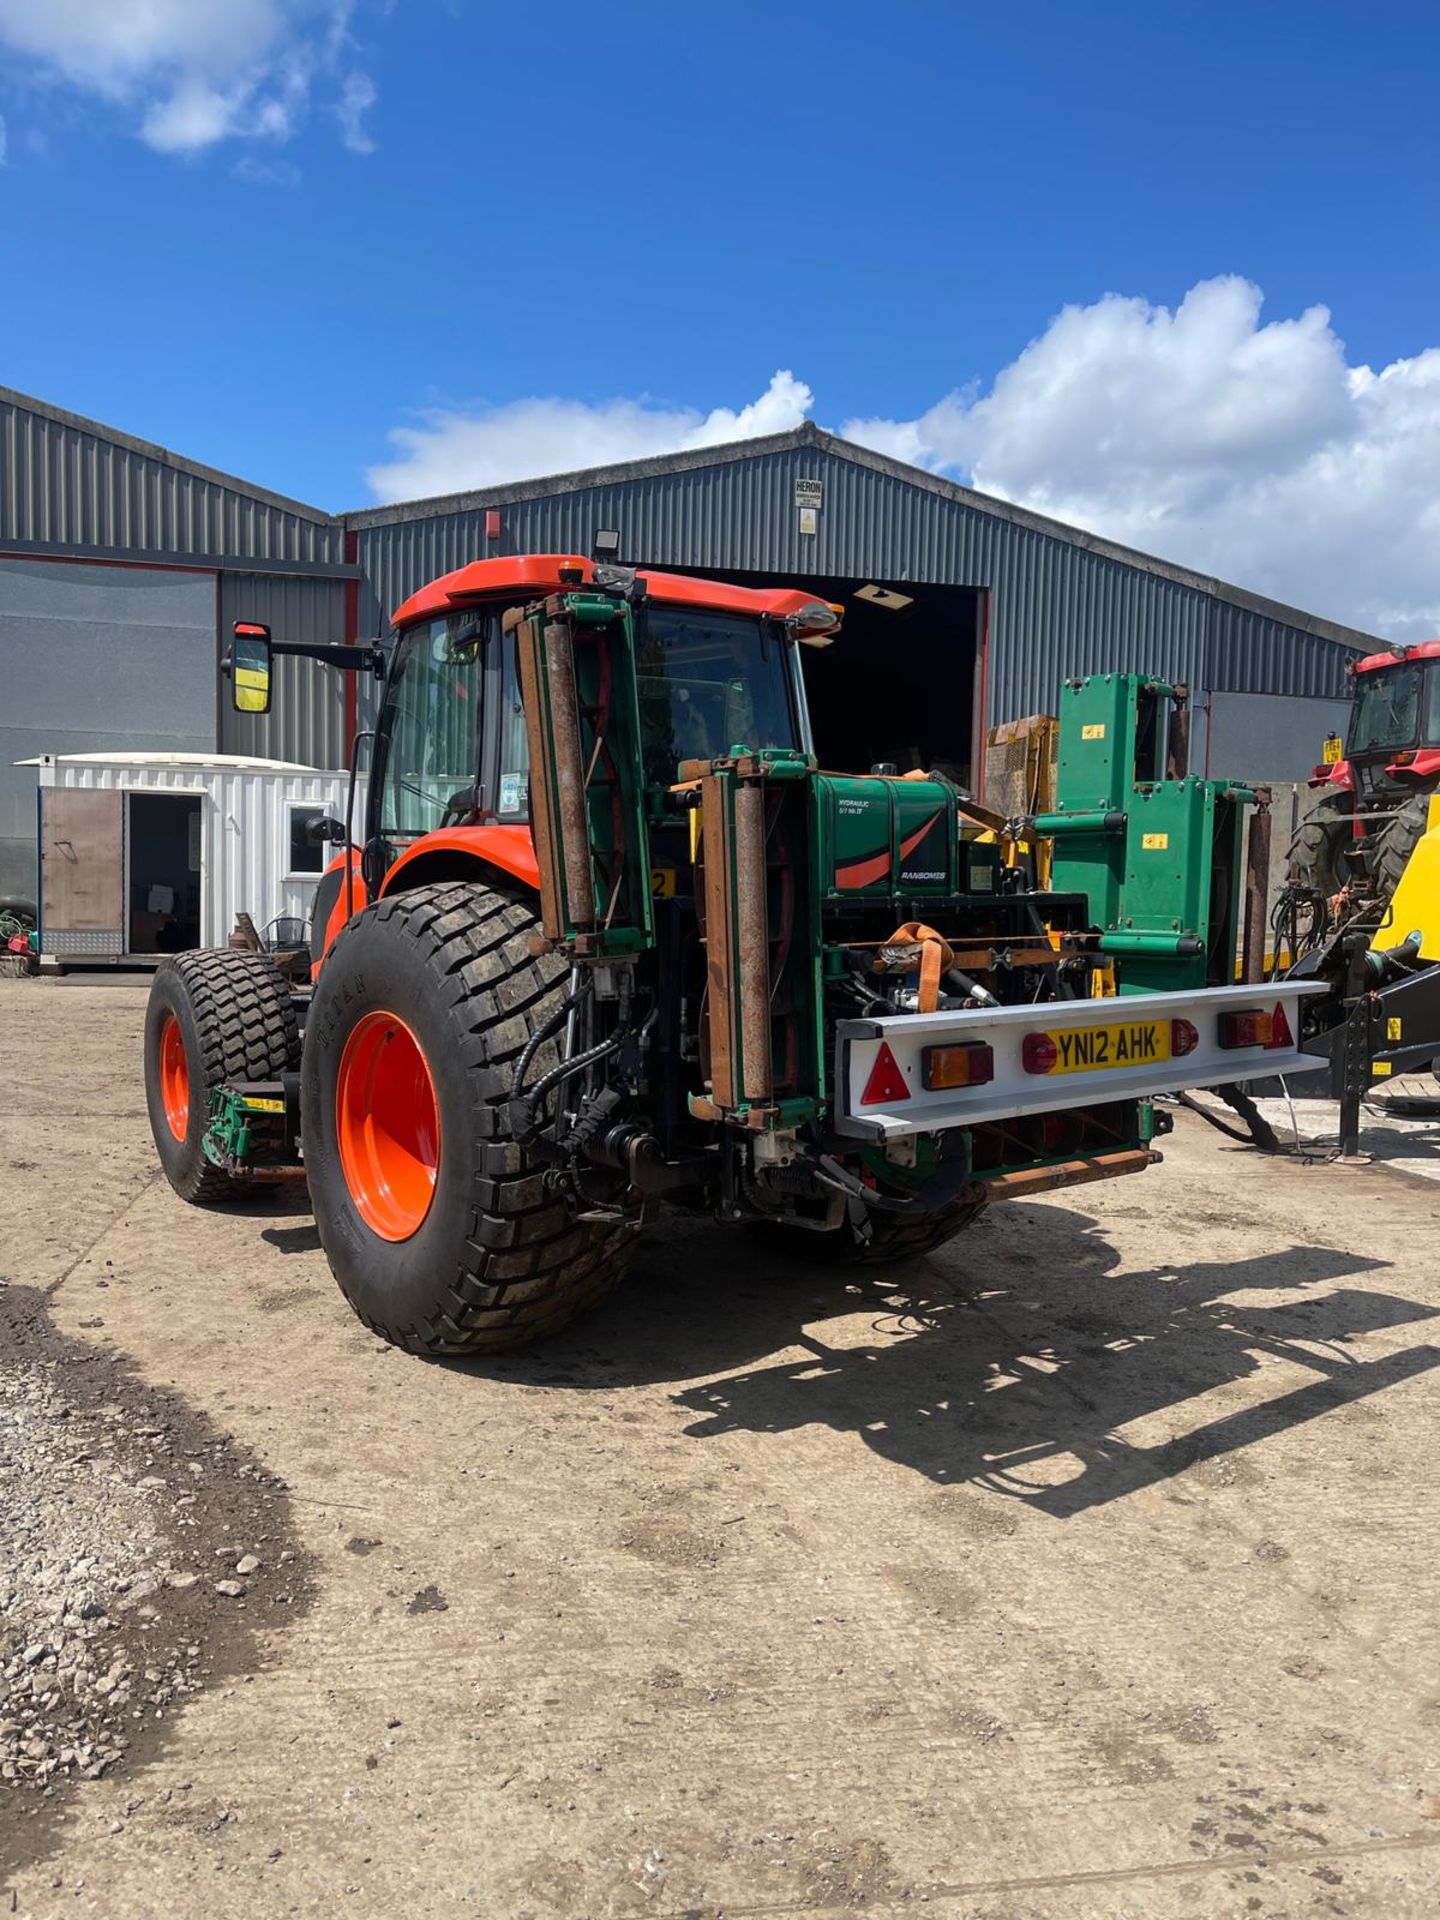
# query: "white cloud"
452,450
266,173
1254,452
357,96
191,73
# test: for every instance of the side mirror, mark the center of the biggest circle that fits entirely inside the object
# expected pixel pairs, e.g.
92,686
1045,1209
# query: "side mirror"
325,829
252,662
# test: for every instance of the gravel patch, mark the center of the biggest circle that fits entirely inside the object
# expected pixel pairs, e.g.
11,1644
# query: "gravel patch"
141,1553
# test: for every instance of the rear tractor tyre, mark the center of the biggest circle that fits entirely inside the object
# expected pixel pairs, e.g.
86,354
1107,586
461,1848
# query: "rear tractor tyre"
1398,839
892,1237
1316,856
214,1017
439,1227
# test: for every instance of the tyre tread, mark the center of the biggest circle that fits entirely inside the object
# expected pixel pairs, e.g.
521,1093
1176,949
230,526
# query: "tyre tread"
528,1266
246,1023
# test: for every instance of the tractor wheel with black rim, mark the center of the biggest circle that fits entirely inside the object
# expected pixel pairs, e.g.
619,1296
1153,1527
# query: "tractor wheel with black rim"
214,1017
1398,839
1316,856
440,1229
892,1237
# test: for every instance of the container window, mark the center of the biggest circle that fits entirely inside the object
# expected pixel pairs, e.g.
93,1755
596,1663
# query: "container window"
306,855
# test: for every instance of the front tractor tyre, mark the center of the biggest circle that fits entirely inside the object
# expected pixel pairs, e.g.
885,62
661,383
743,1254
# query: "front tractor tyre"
440,1229
214,1017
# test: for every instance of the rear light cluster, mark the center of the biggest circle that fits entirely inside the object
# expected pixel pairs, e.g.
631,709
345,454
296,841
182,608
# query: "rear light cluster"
962,1063
968,1063
1252,1028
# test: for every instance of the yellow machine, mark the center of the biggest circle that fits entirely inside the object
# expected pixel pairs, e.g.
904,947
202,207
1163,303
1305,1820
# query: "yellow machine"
1412,914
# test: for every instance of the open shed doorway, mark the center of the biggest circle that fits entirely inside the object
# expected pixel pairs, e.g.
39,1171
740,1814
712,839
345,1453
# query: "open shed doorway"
163,872
902,683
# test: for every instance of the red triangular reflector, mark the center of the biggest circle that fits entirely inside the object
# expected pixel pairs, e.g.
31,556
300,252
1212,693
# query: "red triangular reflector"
1280,1034
886,1081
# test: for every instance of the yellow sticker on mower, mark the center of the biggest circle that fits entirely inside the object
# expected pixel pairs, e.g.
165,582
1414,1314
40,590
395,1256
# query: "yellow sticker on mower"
1154,842
1095,731
662,883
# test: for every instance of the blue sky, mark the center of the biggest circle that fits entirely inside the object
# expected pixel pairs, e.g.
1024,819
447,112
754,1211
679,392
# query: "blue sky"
226,245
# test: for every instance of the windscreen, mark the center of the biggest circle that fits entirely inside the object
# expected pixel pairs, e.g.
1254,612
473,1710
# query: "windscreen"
430,749
708,682
1392,703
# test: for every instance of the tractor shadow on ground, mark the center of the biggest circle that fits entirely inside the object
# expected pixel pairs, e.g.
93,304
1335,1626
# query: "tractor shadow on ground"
1012,1360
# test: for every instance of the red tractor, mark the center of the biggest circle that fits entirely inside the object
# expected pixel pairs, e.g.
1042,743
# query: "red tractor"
1377,785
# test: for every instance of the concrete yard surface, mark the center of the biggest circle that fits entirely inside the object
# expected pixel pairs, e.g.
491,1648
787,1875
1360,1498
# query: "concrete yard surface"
1086,1568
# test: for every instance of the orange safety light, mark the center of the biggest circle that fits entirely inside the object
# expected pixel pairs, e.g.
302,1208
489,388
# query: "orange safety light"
969,1063
1255,1029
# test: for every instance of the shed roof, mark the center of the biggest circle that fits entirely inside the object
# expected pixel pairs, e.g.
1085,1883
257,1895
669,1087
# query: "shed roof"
163,456
808,435
224,762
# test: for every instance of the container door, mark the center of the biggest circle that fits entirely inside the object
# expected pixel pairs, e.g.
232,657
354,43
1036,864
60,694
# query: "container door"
82,872
162,832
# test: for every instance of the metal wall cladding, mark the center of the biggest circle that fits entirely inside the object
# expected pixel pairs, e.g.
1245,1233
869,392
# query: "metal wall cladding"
306,721
245,828
83,653
1058,608
1251,653
62,481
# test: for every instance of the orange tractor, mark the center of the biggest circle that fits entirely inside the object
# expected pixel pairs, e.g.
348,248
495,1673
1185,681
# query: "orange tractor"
610,940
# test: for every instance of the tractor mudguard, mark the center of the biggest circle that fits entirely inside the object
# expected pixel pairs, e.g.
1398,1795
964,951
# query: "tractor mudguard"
1423,764
334,903
509,849
1341,775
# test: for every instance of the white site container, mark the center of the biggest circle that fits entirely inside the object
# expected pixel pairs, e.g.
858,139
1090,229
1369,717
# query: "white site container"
105,894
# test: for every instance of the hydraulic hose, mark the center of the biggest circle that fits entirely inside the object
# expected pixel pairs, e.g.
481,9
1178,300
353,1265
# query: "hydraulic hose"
545,1031
523,1123
1261,1134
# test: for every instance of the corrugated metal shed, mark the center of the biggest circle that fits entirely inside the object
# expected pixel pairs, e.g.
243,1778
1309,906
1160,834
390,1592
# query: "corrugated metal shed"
79,500
307,717
69,482
1062,602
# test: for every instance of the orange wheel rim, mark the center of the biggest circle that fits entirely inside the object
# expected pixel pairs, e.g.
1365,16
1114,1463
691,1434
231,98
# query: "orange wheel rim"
174,1078
388,1124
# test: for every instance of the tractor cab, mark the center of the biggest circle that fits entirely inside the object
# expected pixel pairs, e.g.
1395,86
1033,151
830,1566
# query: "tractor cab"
713,667
1374,788
1395,721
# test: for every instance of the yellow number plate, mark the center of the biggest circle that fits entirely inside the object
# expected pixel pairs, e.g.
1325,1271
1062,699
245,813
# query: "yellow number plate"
1332,751
1125,1043
662,883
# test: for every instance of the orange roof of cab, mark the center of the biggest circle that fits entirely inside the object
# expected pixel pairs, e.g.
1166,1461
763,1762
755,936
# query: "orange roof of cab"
539,573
